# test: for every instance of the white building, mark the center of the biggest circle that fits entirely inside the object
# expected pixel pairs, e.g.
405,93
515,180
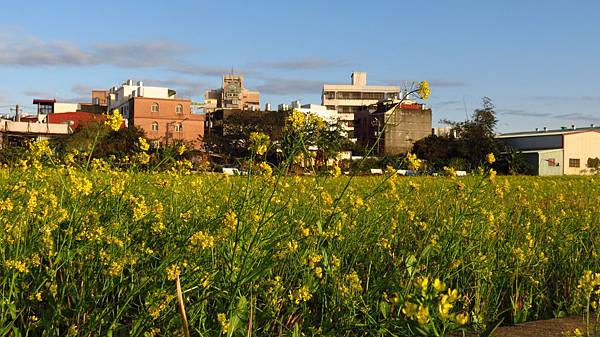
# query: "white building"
118,97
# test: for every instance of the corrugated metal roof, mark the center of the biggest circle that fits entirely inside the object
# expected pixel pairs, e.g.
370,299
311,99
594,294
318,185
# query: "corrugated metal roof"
546,133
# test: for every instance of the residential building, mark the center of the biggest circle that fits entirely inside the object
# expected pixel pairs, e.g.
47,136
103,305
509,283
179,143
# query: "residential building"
348,99
159,112
556,152
392,126
232,95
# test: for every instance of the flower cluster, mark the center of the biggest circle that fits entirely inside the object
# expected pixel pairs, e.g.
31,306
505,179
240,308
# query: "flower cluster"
114,120
423,90
259,142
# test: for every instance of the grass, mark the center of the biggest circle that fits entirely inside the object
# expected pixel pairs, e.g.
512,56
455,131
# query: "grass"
99,252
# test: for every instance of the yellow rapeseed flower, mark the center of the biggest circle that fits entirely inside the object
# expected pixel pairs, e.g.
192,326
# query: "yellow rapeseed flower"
203,240
230,219
143,144
181,149
438,285
490,158
410,309
423,91
423,315
413,162
265,169
259,142
222,318
172,272
462,318
113,121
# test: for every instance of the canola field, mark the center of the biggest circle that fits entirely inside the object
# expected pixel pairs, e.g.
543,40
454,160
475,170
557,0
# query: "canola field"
100,252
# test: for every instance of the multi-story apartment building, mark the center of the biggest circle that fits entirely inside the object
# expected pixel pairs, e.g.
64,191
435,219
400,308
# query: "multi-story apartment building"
348,99
164,117
232,95
392,126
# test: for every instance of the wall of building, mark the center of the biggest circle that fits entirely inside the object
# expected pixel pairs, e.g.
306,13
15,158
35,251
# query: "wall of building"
550,163
167,118
65,107
401,128
99,97
580,145
404,128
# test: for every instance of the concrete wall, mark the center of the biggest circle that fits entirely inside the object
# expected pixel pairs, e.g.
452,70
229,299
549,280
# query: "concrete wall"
581,145
404,128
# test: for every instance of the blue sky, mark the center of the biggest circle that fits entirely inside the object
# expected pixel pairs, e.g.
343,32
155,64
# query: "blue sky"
539,61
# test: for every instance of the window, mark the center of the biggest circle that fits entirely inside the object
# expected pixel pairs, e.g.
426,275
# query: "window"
349,95
179,109
155,144
373,95
329,94
154,107
574,162
154,126
178,127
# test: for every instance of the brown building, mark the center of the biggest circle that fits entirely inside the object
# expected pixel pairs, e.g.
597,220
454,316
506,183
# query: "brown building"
393,126
99,103
232,95
164,117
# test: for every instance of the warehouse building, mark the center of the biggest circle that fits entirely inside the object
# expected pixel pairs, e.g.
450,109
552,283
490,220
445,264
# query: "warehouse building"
557,152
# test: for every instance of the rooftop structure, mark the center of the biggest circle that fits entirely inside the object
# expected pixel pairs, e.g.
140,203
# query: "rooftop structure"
232,95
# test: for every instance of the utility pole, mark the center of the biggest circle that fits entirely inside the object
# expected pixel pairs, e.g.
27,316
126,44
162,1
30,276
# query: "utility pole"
17,115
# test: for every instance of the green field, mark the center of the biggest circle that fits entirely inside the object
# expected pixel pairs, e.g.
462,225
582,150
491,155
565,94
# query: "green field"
98,252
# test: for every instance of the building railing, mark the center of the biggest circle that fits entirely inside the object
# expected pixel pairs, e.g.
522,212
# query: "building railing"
34,128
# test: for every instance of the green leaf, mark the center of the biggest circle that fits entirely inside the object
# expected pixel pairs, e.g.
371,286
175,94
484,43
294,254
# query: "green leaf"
384,308
239,315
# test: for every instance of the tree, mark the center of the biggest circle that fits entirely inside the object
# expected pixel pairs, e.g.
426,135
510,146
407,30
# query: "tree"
476,136
304,132
230,137
437,151
104,141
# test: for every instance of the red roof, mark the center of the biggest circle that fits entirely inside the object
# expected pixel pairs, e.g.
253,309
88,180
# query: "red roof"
73,118
37,101
411,106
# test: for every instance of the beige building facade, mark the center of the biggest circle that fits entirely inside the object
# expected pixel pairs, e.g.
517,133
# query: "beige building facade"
348,99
